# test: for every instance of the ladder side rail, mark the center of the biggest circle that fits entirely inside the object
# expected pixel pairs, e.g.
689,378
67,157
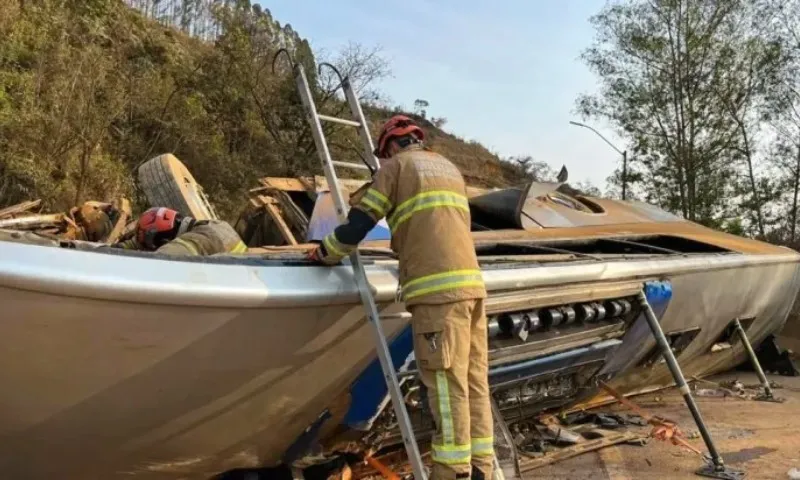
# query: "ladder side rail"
398,402
319,140
358,116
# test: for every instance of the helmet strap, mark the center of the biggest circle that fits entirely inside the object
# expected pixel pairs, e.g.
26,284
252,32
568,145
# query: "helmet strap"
150,239
186,224
406,141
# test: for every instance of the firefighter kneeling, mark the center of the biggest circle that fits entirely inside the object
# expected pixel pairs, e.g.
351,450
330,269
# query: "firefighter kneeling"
423,197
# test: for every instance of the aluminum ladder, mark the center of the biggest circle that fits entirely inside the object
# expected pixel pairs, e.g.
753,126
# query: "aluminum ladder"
360,276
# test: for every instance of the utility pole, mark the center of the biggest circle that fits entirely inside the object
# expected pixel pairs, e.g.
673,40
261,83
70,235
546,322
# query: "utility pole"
624,154
624,174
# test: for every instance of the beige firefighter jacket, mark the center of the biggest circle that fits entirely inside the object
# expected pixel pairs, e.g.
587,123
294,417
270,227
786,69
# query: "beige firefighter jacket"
423,197
205,238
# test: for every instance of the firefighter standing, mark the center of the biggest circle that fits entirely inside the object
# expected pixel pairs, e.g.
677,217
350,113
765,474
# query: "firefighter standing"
163,230
423,197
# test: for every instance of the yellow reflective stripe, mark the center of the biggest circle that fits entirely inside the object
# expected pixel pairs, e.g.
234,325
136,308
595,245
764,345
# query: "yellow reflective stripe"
448,452
379,198
240,247
331,244
451,454
374,207
377,202
442,281
398,221
444,286
426,200
334,246
406,204
446,414
437,276
483,446
188,246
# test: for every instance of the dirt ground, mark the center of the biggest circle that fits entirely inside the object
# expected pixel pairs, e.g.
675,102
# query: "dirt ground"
761,438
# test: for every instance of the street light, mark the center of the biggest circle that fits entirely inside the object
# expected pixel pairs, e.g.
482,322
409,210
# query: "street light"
624,154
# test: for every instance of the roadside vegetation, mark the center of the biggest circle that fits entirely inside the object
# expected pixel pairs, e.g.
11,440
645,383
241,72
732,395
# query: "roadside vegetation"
705,95
90,89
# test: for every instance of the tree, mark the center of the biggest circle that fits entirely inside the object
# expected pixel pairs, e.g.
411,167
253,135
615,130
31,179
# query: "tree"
364,66
58,98
781,25
661,66
756,66
89,89
420,107
531,169
194,17
633,178
438,122
587,188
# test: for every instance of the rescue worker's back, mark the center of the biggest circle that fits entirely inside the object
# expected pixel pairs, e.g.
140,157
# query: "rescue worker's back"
423,197
430,222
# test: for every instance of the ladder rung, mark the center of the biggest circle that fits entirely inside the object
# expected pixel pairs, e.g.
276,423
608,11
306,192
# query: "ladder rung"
359,274
396,316
339,120
357,166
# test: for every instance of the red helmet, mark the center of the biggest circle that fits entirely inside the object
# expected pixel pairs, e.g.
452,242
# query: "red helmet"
157,226
397,126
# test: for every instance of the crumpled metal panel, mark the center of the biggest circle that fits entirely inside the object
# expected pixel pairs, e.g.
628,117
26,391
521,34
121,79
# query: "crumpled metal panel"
652,212
324,221
538,205
639,331
500,204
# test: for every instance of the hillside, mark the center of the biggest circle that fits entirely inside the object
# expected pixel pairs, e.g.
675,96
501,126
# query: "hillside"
480,167
90,89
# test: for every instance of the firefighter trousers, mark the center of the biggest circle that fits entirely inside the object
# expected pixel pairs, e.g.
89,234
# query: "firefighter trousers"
451,351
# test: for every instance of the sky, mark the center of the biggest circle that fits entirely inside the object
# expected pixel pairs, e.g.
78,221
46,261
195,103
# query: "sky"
505,73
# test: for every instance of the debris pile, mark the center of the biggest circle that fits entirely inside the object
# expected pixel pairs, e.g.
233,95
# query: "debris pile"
733,389
549,439
92,221
272,217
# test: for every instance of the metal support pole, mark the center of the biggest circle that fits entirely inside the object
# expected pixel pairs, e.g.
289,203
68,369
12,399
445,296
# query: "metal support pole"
297,474
717,469
623,153
767,395
624,175
500,424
